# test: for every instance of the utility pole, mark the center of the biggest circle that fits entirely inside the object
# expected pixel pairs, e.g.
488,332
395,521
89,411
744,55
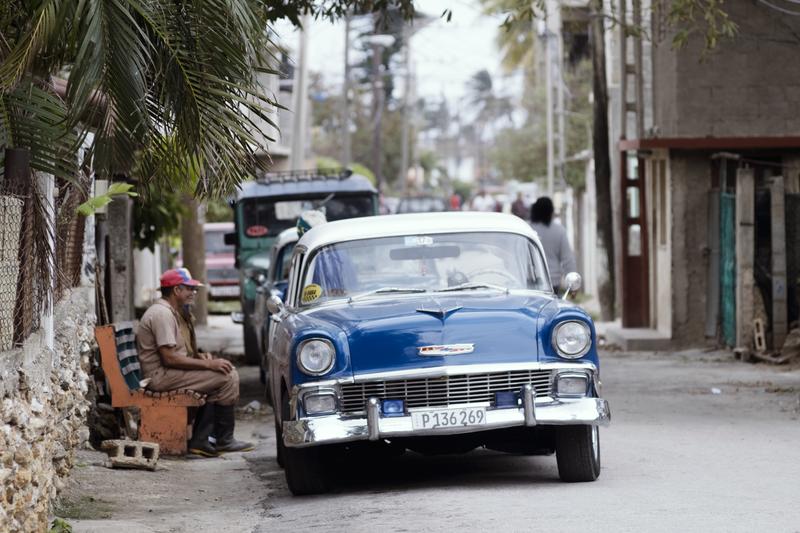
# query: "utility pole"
300,100
552,32
377,113
346,146
406,110
548,82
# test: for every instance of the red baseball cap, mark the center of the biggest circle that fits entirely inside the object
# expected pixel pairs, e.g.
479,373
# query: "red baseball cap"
178,276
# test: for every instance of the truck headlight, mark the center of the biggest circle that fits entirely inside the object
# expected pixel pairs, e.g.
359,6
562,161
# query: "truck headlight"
572,339
316,356
258,275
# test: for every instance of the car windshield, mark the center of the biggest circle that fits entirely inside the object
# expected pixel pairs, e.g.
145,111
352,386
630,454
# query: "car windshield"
416,263
215,243
266,217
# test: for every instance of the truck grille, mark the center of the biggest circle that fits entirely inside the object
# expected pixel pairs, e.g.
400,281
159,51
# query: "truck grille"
223,273
444,391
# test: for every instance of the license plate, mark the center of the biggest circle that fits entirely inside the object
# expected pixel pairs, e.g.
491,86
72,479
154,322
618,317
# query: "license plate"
447,418
233,290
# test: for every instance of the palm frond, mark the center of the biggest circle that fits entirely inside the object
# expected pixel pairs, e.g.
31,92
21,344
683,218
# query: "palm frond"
36,119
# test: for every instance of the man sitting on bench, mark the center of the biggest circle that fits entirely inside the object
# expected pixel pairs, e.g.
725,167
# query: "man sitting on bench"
168,359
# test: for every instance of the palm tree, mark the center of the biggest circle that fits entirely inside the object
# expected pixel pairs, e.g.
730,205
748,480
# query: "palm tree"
138,72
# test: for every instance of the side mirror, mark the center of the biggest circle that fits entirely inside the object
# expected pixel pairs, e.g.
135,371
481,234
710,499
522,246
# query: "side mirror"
237,317
572,282
275,305
231,239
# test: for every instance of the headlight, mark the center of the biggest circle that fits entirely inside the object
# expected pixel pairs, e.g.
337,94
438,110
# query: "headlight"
259,275
572,339
316,356
319,403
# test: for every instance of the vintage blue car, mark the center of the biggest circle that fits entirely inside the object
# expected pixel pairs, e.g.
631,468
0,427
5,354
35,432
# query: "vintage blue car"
436,333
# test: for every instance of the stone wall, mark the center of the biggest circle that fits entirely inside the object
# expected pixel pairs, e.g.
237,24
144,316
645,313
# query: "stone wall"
749,86
43,413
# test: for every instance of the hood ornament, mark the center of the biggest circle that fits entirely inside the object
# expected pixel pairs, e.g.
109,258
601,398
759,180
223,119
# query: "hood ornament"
447,349
440,313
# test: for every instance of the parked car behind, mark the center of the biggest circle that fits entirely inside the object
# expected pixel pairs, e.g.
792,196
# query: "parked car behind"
437,333
223,276
276,284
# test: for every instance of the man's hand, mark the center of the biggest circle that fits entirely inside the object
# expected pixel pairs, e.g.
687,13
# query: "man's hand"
205,355
220,365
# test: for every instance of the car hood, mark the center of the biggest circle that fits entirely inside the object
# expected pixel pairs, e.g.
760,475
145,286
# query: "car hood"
387,335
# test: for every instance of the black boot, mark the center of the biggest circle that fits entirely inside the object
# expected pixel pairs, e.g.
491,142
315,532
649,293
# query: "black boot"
201,430
224,422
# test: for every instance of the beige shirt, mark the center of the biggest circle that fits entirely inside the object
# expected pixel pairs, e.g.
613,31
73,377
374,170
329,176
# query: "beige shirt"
158,327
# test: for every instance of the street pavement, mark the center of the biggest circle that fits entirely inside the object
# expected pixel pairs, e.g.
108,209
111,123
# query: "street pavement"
698,442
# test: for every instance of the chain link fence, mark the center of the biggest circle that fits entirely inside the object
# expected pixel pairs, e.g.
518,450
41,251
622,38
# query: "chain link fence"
32,274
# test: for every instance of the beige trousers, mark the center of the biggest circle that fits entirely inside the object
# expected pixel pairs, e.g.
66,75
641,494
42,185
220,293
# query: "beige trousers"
220,388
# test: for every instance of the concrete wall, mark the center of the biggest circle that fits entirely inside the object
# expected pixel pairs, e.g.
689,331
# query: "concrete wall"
42,413
747,86
691,180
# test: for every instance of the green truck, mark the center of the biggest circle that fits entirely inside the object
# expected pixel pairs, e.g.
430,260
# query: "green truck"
265,207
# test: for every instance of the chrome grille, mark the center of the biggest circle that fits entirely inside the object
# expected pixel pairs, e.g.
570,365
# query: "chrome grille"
444,391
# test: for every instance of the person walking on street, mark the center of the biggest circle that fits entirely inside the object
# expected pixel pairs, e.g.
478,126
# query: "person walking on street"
557,251
169,357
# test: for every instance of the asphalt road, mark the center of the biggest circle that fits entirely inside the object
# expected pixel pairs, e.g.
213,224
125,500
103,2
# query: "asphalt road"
698,442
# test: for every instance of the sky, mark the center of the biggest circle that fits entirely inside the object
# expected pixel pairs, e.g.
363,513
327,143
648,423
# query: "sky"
445,54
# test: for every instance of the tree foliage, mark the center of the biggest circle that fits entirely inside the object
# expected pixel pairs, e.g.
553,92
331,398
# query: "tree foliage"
140,71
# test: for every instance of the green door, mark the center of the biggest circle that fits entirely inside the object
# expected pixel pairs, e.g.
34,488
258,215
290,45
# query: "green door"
727,225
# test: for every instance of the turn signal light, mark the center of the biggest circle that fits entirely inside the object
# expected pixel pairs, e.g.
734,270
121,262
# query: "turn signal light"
506,399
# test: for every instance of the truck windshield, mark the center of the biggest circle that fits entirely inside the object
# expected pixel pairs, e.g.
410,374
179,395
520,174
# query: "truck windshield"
263,217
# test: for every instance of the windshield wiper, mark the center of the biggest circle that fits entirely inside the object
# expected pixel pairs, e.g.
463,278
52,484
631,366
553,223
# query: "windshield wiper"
385,290
471,286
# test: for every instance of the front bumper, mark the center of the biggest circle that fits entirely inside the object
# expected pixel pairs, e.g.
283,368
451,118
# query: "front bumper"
544,411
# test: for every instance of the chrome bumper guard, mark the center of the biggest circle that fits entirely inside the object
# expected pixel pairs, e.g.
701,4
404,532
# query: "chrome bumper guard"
544,411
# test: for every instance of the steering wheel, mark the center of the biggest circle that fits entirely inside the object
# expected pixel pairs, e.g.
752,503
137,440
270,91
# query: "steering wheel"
455,278
494,271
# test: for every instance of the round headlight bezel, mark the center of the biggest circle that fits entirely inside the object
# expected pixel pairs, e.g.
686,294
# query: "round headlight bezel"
572,355
304,367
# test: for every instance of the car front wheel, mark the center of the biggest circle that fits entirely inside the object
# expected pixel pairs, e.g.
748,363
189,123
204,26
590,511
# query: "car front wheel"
305,470
578,453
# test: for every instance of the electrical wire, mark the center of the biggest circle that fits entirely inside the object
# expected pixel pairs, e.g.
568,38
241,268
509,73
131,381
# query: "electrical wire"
781,9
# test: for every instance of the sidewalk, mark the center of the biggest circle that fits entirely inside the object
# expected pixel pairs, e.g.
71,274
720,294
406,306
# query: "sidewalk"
198,495
221,337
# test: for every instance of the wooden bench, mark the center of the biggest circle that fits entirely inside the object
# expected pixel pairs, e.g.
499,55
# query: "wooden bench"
164,415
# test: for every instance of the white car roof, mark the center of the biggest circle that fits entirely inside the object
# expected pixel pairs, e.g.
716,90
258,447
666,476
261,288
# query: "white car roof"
354,229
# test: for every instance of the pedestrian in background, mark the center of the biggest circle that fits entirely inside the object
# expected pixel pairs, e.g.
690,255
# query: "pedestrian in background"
557,251
483,202
518,207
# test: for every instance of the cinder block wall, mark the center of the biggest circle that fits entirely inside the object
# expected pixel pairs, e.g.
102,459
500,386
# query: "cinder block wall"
690,183
747,87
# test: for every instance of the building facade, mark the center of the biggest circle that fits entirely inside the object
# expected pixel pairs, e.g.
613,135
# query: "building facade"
706,180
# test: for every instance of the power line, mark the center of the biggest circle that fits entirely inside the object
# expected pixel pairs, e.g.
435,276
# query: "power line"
781,9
